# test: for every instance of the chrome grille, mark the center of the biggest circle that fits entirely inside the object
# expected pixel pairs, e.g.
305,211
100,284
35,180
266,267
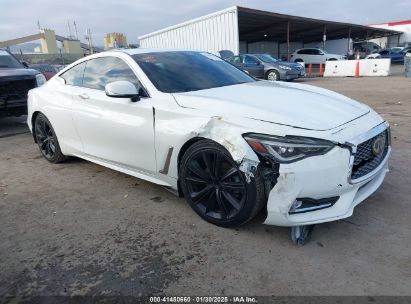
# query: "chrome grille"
367,159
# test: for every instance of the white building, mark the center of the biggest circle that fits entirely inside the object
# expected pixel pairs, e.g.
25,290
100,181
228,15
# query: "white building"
244,30
398,40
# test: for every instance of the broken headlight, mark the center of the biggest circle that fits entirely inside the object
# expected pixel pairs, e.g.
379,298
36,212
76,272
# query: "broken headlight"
287,149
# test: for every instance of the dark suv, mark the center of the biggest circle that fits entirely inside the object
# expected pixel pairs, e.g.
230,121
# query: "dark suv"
15,82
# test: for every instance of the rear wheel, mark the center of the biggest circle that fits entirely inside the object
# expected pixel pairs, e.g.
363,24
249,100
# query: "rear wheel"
215,187
47,140
272,75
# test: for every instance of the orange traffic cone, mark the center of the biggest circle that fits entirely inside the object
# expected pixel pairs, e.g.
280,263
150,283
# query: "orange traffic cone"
357,69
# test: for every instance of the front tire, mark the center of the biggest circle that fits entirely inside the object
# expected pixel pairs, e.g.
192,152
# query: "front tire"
216,189
272,76
47,140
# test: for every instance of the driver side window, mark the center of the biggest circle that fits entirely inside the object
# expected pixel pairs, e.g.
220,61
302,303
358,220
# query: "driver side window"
101,71
250,60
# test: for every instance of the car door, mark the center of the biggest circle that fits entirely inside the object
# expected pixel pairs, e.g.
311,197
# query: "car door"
253,66
317,56
114,130
69,81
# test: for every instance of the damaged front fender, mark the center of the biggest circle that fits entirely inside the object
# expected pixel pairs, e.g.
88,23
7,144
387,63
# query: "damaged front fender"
229,136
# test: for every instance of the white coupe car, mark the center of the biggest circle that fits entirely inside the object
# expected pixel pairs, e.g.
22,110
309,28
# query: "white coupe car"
230,144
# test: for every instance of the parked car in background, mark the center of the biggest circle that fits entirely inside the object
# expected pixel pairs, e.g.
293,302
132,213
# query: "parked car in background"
59,67
15,81
46,69
364,48
314,56
231,145
265,66
394,55
397,49
406,50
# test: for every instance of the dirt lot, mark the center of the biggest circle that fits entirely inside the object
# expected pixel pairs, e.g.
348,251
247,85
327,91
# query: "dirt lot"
81,229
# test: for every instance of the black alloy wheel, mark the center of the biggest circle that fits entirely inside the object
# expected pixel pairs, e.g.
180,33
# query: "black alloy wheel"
215,187
47,140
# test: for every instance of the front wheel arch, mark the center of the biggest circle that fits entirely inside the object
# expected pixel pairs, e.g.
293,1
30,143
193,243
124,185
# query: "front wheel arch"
33,130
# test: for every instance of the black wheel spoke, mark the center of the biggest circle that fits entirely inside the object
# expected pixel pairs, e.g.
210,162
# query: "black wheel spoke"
39,132
200,195
222,204
232,185
208,164
44,144
229,173
232,200
52,146
45,138
196,180
216,188
197,170
217,165
211,203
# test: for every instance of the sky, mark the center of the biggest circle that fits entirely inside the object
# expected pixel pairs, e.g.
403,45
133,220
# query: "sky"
135,17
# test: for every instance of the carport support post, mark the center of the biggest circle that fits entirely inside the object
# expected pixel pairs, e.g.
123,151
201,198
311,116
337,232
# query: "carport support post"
366,45
324,36
348,44
288,40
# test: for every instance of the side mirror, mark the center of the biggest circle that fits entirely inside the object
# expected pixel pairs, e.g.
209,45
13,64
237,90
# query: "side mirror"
26,65
122,89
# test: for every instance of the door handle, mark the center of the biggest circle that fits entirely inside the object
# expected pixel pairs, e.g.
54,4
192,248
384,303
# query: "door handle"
84,96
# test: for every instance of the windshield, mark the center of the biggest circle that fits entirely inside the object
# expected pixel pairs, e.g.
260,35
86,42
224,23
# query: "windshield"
8,61
266,58
185,71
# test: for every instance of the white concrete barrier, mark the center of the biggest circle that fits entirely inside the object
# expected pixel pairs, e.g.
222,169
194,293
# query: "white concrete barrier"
375,67
340,68
368,67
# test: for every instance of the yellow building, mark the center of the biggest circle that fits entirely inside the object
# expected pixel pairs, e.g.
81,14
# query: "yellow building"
48,42
115,40
72,47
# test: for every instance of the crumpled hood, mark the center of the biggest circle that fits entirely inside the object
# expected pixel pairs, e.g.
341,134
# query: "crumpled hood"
290,104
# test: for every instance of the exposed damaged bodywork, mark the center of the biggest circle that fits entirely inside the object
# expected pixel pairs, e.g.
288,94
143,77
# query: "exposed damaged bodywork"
225,134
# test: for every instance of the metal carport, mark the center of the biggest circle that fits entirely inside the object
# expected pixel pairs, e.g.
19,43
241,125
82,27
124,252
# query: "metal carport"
235,28
256,25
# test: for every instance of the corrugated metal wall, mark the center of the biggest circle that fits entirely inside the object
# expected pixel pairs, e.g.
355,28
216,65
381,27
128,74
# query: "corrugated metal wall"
210,33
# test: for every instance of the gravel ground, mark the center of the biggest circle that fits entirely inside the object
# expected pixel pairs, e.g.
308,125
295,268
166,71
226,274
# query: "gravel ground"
80,229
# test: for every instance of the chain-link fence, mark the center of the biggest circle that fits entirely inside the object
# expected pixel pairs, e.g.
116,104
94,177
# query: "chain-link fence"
54,59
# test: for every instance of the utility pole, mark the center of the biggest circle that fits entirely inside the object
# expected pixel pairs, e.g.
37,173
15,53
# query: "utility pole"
75,28
90,41
69,28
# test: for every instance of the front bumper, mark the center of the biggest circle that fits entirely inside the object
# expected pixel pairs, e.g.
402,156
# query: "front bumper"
321,177
293,74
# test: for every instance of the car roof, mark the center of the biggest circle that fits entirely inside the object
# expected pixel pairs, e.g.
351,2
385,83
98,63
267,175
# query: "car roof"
151,50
